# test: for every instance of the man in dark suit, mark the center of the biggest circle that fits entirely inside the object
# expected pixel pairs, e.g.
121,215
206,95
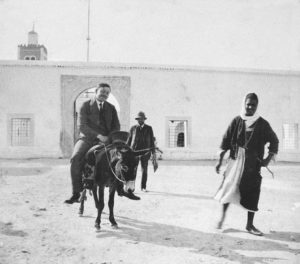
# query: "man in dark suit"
97,119
141,137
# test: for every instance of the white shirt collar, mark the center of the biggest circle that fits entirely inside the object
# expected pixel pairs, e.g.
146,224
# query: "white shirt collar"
98,104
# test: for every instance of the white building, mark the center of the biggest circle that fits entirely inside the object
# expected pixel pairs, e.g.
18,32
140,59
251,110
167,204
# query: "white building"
189,108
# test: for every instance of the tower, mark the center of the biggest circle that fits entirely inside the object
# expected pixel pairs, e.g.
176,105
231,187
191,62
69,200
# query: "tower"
33,50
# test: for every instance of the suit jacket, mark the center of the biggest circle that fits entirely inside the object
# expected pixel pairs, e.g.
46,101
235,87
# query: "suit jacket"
141,139
89,120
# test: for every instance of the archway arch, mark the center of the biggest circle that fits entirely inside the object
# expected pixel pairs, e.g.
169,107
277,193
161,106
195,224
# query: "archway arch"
74,85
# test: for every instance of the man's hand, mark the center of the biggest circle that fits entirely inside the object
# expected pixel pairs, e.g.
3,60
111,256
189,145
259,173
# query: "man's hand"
153,155
218,166
103,139
265,162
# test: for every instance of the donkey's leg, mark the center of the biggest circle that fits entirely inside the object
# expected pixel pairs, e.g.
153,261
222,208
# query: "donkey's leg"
100,206
82,199
95,195
111,202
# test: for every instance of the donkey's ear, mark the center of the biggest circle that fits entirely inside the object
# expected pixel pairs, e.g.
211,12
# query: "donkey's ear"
121,146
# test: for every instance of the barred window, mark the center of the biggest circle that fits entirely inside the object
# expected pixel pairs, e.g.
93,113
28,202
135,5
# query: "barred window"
21,131
177,133
290,136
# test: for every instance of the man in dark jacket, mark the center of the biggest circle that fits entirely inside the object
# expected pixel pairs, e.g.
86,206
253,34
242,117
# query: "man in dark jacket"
141,137
97,119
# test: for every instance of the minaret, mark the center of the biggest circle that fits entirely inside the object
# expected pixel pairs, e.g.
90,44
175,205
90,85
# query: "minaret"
32,37
32,51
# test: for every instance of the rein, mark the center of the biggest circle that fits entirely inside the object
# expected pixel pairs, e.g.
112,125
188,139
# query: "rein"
112,168
149,149
116,176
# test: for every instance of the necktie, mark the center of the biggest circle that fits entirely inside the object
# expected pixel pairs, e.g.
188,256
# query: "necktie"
101,115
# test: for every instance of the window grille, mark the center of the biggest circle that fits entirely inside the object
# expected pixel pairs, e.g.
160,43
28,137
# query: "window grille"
21,131
290,136
178,133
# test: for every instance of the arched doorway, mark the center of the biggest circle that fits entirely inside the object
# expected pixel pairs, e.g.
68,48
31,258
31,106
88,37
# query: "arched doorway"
84,96
73,86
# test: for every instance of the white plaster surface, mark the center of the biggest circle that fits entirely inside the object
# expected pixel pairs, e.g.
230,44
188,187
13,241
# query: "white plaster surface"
210,97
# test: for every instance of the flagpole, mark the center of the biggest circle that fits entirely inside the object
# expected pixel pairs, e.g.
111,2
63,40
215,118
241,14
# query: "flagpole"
88,34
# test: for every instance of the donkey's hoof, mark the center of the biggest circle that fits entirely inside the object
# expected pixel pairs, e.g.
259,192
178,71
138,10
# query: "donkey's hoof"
97,226
219,225
115,226
80,214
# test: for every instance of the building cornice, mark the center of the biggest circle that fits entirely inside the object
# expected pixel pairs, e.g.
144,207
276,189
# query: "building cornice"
137,66
32,46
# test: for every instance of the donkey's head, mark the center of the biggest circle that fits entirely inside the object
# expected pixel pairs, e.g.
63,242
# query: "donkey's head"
126,166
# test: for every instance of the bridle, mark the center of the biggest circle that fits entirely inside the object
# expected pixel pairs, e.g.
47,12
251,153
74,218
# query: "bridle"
123,168
116,176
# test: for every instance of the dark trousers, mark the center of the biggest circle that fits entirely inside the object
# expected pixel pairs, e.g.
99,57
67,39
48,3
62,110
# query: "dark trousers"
77,162
144,164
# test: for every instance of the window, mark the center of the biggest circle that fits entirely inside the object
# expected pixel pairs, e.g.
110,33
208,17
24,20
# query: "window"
290,136
20,130
29,58
177,133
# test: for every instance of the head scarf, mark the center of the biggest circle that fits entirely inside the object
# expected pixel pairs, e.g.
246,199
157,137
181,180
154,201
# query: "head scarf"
249,120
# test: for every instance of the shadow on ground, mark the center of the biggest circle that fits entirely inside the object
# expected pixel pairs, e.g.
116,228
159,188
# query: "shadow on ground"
193,196
274,235
7,229
213,244
284,236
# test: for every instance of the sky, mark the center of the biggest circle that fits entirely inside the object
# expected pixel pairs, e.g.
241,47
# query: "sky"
259,34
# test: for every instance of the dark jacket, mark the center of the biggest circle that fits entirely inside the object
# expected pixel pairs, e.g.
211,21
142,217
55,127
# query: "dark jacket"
141,139
89,121
263,134
253,142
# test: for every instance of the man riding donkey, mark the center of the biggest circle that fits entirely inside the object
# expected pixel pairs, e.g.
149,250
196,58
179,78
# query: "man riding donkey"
97,120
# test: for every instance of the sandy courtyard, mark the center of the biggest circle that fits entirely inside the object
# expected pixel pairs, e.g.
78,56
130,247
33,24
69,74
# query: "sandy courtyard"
173,223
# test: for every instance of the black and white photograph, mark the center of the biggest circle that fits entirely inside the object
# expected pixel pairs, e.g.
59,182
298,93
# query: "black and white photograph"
153,132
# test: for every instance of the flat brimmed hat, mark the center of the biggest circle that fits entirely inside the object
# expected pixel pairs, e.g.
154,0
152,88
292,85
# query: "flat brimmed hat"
141,115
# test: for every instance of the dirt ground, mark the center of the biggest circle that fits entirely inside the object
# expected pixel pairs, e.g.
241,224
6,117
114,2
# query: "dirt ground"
175,222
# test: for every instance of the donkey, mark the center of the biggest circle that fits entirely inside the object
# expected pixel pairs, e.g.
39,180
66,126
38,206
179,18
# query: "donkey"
113,166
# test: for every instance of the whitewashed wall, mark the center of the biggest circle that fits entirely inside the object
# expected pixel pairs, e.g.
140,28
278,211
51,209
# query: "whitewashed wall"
210,98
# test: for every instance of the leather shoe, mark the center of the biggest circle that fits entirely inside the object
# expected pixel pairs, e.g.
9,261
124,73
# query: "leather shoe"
73,199
131,196
254,231
120,192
